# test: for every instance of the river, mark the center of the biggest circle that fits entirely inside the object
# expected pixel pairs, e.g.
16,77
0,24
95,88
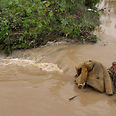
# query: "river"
40,81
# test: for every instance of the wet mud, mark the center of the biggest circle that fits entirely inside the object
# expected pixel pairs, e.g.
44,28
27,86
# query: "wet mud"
28,88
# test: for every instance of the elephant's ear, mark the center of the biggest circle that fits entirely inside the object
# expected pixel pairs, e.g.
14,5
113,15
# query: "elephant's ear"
96,77
108,82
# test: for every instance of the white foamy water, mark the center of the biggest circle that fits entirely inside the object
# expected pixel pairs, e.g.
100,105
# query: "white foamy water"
25,63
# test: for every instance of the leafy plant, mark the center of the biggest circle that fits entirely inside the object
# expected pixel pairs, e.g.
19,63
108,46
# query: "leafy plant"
91,3
29,23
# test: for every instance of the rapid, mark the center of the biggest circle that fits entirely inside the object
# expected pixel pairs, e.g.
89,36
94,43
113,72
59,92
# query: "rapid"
40,81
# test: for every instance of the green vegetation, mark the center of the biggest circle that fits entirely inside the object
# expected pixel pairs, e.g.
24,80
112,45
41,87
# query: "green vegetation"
29,23
91,3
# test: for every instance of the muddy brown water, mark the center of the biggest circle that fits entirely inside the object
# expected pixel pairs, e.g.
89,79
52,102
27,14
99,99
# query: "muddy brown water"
28,88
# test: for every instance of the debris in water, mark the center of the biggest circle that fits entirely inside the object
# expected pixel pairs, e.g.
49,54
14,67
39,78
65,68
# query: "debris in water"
73,97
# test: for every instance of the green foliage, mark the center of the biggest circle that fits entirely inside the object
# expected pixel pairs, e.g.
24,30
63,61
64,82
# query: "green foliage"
29,23
91,3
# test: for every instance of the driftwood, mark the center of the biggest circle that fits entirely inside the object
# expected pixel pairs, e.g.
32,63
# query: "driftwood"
72,97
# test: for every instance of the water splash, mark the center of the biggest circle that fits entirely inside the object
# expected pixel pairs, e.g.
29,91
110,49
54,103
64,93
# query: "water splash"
25,63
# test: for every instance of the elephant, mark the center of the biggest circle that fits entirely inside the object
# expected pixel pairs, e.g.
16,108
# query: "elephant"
94,74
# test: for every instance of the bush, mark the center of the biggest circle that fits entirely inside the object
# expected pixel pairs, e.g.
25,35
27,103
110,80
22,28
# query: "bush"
91,3
29,23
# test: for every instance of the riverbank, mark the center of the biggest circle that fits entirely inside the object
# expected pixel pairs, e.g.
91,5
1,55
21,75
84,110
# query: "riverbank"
31,24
